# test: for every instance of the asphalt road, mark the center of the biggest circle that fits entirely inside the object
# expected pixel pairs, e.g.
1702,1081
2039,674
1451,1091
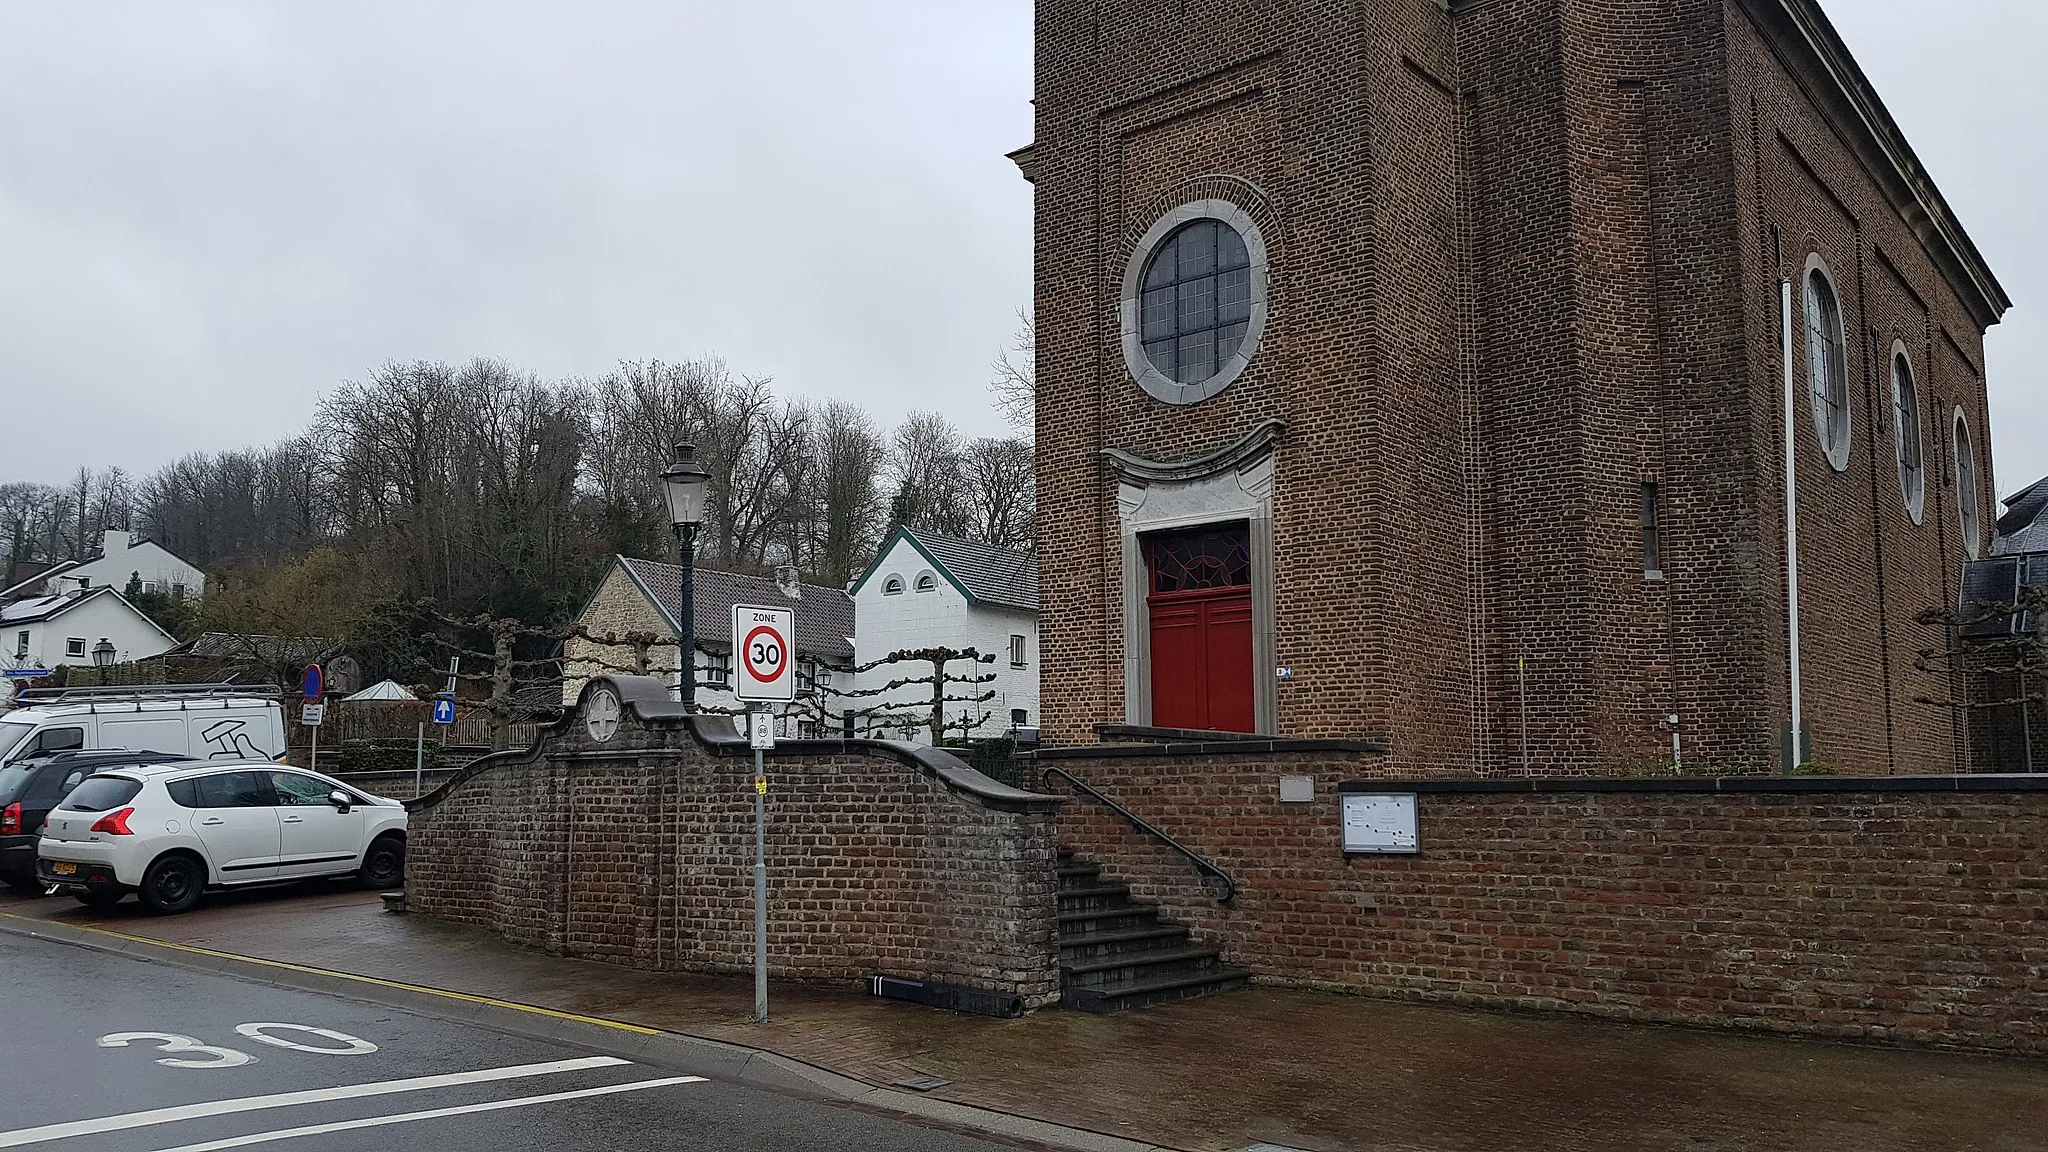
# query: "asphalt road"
84,1037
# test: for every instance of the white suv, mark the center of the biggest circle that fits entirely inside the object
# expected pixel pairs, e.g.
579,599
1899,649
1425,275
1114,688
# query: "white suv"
166,832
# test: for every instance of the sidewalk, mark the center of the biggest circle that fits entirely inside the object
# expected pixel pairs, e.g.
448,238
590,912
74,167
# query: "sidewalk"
1298,1069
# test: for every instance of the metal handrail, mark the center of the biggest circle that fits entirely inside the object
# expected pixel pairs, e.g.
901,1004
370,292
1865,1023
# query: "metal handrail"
1138,822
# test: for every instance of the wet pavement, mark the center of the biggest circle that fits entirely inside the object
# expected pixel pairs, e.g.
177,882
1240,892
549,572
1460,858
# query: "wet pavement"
1326,1073
114,1055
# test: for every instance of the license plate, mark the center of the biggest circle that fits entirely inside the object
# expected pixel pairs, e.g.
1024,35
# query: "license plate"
64,868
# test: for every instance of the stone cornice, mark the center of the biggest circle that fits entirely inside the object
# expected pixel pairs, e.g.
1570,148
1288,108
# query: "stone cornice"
1822,65
1139,470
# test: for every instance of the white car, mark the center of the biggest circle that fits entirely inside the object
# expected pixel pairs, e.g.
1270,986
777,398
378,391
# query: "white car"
167,832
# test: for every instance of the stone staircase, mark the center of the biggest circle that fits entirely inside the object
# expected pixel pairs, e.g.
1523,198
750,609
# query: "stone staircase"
1116,953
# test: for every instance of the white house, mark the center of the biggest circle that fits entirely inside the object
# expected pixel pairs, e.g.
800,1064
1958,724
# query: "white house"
927,591
644,598
121,559
46,631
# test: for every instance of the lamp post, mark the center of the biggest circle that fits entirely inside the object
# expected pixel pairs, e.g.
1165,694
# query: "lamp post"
684,482
103,657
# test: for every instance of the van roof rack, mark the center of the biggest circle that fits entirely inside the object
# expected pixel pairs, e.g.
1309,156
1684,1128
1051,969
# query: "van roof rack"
29,696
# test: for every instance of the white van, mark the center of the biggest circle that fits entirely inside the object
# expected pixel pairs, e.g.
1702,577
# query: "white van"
207,721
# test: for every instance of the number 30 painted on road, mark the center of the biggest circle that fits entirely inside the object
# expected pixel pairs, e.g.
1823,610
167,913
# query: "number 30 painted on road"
233,1058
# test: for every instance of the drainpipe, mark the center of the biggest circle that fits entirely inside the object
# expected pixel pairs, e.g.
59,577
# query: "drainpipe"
1791,523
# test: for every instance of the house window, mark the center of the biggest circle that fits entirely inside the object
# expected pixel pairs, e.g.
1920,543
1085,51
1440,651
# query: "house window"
893,586
1020,718
178,591
807,730
1016,651
1906,429
926,582
1653,554
717,669
1827,368
74,646
149,586
84,582
21,644
1966,487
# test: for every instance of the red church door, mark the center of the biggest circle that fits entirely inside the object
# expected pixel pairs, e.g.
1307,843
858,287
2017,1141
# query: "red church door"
1200,599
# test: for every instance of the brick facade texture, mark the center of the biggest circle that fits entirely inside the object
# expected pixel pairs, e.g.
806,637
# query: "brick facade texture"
1883,916
640,851
1525,258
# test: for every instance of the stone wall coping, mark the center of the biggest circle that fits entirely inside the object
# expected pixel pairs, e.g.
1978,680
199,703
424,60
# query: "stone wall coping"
1234,747
1983,782
647,698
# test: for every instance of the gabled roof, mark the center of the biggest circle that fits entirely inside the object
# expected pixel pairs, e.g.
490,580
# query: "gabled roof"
824,616
50,607
42,572
2024,527
984,573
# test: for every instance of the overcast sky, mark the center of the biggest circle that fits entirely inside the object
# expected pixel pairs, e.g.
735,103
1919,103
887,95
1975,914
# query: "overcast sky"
210,213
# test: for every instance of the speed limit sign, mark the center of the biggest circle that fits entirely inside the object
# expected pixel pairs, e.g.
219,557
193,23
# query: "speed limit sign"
760,643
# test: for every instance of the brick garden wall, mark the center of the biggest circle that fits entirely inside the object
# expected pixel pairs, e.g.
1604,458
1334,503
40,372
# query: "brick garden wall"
638,850
1906,910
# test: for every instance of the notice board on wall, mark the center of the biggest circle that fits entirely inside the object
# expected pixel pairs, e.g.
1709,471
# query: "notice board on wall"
1383,822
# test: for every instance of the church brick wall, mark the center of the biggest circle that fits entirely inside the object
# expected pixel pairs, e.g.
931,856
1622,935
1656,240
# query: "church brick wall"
1522,264
1880,910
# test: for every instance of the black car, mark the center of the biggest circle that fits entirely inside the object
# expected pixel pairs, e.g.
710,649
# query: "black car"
30,788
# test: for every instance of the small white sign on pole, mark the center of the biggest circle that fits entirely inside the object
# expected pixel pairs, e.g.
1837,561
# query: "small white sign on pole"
310,714
763,662
761,730
1380,823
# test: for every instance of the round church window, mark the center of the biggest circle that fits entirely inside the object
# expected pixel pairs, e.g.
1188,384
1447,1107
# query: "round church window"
1194,302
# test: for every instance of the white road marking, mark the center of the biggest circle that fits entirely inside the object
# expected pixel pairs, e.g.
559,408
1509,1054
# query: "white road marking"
431,1114
350,1045
172,1042
154,1116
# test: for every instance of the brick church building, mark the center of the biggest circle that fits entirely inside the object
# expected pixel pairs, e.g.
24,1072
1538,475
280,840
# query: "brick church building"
1415,370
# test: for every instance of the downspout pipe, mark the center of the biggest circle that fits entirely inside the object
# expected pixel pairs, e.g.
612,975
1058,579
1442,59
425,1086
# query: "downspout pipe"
1791,522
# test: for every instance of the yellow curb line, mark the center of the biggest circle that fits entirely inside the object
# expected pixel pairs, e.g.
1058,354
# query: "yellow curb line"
372,980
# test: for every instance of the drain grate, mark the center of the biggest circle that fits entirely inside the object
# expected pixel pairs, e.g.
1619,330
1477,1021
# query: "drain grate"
922,1083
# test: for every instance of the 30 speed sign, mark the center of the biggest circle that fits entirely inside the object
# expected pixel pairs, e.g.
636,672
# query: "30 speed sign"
761,653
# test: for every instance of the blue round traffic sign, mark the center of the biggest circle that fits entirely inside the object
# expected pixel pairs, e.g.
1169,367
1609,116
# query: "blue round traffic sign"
314,683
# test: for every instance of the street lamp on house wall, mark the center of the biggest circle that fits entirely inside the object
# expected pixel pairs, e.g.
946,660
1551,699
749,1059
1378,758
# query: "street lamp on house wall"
684,482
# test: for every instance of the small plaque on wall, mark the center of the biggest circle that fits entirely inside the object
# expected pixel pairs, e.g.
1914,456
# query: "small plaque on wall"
1380,823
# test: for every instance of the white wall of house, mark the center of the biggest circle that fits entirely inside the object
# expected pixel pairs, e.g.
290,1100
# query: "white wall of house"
70,637
941,616
161,570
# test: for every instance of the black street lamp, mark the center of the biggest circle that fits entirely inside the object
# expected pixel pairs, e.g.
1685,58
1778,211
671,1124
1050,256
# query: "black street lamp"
684,482
103,654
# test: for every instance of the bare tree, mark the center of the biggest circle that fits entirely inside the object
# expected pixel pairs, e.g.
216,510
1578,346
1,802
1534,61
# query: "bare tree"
1014,382
1001,482
930,489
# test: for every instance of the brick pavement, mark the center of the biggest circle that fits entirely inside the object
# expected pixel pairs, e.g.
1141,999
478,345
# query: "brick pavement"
1308,1070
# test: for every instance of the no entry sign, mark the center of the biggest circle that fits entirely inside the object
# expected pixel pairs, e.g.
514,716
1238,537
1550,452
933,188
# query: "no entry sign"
762,657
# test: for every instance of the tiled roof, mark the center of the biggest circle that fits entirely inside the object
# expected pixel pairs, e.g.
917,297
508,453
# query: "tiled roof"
2024,527
824,617
990,575
257,646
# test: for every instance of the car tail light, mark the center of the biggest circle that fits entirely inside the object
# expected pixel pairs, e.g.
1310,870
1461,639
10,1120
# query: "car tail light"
114,823
10,820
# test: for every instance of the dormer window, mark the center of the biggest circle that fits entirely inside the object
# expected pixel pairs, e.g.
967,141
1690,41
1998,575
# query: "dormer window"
893,586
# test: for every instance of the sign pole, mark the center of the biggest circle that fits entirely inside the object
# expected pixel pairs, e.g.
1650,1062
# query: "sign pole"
760,878
762,666
419,756
316,748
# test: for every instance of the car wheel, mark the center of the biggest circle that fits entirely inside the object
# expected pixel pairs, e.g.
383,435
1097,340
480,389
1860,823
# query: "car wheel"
172,885
98,901
384,864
